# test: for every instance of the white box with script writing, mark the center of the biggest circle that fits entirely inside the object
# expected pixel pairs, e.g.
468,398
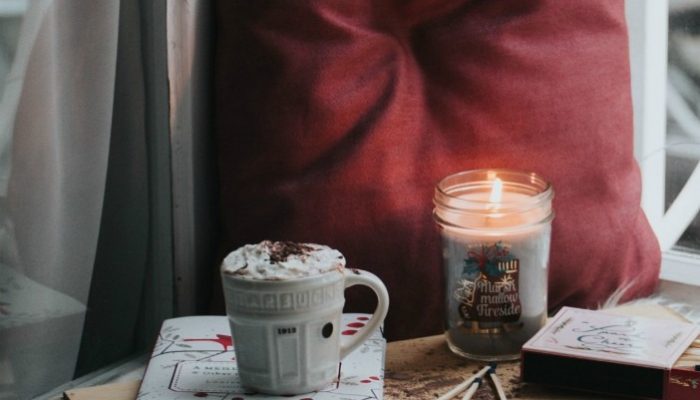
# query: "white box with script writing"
600,352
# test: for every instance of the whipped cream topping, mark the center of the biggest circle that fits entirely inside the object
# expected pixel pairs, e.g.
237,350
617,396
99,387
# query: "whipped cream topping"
282,260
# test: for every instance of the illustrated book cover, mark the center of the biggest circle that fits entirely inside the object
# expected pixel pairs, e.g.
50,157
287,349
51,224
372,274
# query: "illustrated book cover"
194,358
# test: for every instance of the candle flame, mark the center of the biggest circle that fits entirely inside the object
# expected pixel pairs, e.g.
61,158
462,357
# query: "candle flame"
496,191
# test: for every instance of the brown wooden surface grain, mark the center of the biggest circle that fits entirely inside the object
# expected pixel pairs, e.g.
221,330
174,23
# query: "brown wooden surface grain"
112,391
425,368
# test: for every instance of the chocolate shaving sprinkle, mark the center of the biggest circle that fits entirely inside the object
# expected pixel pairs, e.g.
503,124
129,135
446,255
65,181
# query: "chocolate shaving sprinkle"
280,251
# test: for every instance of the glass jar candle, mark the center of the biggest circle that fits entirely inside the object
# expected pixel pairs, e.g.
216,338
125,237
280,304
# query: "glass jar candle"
495,227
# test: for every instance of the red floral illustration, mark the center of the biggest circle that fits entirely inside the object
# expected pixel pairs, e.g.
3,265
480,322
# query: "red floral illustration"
224,340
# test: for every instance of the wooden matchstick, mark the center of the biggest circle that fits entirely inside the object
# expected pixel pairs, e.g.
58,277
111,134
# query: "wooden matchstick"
472,389
689,357
459,388
497,384
682,363
694,352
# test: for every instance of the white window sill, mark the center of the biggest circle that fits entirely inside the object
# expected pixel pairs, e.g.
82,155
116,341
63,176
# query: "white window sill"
124,371
681,267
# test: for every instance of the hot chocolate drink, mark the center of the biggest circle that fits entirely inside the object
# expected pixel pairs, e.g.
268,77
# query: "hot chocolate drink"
284,301
274,261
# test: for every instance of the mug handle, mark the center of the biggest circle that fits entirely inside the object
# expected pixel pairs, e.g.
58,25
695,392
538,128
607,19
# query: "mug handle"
361,277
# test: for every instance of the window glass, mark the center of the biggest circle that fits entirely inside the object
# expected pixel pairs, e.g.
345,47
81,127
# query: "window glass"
683,134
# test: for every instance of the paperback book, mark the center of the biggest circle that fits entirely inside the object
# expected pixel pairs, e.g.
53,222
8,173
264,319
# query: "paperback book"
194,358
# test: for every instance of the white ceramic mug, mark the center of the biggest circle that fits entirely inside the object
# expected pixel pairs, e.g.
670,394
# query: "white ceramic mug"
287,332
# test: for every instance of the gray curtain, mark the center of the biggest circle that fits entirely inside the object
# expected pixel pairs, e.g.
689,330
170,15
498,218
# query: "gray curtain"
81,186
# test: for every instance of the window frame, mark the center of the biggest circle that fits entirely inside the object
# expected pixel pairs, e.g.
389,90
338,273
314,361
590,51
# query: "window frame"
648,30
194,205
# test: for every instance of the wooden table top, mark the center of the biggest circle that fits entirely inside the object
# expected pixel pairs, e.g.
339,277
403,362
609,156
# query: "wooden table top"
425,368
422,368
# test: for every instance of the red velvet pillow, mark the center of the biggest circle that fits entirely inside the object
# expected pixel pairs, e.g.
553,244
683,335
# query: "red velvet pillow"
336,119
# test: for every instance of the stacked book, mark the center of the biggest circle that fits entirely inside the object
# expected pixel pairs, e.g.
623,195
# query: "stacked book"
194,358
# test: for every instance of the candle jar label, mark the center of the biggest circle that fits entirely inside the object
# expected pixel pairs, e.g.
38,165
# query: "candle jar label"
488,290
